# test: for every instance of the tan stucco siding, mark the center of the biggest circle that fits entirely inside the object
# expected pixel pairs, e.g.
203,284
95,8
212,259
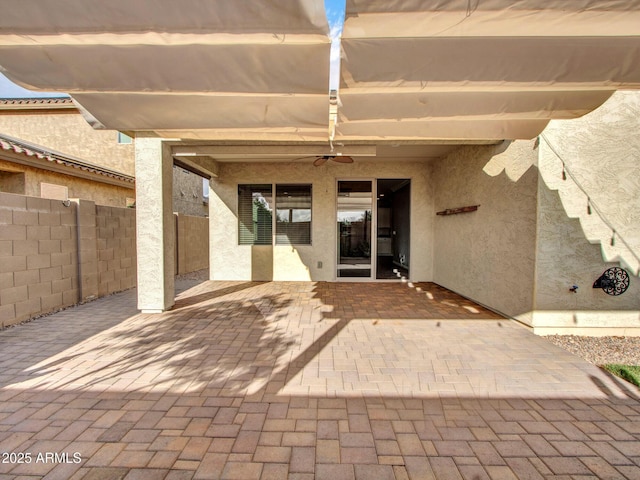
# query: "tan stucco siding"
67,132
565,258
99,193
230,261
601,151
487,255
187,193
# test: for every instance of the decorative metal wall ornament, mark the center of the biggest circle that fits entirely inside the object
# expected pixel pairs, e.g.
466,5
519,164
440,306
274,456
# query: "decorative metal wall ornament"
613,281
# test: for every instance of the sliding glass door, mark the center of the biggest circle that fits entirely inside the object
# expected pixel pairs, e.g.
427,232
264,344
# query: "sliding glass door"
355,202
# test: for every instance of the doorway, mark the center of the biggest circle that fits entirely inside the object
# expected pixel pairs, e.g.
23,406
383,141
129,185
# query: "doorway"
373,229
393,199
354,216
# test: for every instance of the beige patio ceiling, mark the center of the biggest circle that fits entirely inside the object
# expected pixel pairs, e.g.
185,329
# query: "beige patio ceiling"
236,69
485,69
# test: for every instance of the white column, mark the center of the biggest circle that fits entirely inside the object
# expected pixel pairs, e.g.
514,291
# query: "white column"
155,230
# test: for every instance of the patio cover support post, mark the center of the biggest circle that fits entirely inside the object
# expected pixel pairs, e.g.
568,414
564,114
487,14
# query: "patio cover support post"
155,232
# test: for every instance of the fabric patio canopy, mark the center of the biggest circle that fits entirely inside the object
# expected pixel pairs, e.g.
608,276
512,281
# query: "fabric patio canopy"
233,69
246,70
463,69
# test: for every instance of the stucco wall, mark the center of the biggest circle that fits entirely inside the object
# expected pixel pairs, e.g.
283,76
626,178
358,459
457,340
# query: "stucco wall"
230,261
601,151
68,132
12,180
187,193
487,255
100,193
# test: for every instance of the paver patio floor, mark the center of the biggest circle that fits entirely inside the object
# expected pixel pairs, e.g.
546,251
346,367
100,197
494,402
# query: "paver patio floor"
279,380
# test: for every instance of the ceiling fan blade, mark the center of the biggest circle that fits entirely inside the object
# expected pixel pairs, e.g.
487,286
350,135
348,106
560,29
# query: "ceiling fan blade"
320,161
342,159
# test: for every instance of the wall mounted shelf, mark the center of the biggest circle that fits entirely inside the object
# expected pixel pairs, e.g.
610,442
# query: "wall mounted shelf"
455,211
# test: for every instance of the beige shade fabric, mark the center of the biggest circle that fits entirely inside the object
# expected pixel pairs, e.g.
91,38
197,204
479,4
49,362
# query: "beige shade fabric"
454,70
459,104
519,18
160,111
170,63
458,115
164,65
440,130
249,136
241,17
492,62
433,65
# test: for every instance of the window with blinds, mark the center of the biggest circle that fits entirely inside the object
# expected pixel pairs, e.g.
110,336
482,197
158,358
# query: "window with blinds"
293,214
255,220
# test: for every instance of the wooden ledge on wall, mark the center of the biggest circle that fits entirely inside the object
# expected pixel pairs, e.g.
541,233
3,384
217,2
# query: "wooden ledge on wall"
455,211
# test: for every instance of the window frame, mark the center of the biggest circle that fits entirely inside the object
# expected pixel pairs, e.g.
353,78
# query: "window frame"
275,234
273,205
254,188
124,139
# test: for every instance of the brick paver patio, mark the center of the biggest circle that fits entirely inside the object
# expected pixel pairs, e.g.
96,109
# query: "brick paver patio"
286,380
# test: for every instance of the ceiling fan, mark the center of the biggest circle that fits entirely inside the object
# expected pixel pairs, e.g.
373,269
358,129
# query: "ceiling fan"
322,159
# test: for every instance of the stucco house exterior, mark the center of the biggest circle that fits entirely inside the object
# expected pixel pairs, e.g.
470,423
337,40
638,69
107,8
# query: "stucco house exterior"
55,126
529,242
34,133
492,150
32,170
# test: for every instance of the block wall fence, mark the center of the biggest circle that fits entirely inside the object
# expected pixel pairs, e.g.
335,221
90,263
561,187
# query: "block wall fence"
54,254
192,243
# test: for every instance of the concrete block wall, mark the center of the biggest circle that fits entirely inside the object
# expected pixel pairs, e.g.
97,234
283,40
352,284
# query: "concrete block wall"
38,256
116,249
192,243
55,254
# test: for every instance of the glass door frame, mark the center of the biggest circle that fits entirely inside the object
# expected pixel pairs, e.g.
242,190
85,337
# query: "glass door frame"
373,234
